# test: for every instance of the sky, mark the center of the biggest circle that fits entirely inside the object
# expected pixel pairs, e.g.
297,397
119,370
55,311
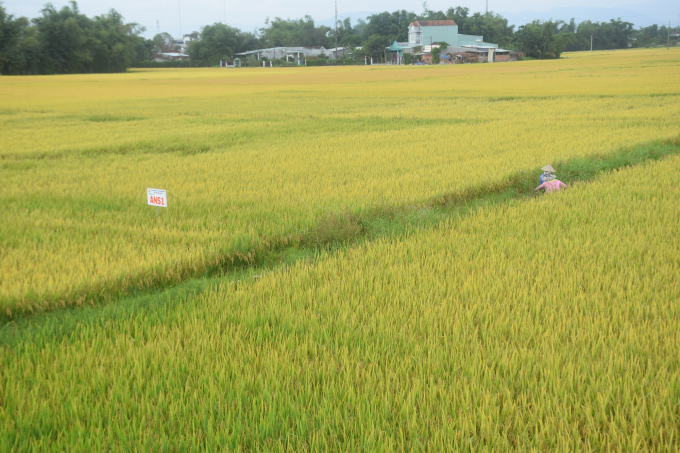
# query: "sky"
185,16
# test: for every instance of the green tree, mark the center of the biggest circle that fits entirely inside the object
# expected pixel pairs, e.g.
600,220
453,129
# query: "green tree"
392,26
429,14
71,42
300,32
437,50
581,35
654,36
19,47
164,42
375,46
65,41
542,40
615,34
493,27
348,36
219,42
115,43
459,15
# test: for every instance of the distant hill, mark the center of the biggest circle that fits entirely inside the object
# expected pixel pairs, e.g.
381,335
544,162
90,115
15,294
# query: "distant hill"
640,14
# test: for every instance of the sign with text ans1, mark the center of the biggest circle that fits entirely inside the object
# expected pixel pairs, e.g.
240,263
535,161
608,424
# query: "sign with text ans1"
157,197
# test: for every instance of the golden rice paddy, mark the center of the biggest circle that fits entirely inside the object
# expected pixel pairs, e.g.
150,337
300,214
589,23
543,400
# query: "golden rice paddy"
552,324
544,323
257,155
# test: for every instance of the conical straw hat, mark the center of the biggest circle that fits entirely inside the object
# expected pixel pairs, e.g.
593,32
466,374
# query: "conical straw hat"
548,168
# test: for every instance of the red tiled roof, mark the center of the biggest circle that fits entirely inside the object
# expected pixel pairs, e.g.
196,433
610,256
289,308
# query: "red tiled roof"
432,23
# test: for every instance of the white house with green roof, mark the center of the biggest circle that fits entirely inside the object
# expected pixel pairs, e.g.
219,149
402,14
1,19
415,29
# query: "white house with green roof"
426,32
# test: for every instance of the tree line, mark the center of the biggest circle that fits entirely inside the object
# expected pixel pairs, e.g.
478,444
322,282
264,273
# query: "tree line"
65,41
538,39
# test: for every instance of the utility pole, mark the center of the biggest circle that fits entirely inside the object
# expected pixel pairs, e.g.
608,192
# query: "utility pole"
591,43
336,30
487,6
668,46
158,27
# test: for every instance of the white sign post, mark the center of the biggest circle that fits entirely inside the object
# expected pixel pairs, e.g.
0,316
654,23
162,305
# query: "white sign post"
157,197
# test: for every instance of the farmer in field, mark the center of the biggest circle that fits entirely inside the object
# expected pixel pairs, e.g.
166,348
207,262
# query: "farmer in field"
549,181
548,171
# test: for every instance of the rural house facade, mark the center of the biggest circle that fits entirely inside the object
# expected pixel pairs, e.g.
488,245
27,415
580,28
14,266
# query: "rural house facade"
423,32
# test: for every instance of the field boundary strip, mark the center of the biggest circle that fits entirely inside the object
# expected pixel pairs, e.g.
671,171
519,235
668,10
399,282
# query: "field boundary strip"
337,229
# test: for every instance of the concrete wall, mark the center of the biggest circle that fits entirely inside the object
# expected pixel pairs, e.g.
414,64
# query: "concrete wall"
515,56
471,40
455,49
447,33
332,54
281,52
411,49
273,53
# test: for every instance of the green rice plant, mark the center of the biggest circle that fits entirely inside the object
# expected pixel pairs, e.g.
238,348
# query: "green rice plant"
549,323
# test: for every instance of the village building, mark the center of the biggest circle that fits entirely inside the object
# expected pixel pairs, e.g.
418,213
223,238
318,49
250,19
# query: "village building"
295,54
161,57
487,54
428,32
338,53
183,44
180,53
469,54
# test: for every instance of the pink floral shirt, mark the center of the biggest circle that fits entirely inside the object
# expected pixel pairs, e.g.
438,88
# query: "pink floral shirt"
552,186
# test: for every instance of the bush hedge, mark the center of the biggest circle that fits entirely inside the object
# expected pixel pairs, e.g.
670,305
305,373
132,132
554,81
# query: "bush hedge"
325,62
167,64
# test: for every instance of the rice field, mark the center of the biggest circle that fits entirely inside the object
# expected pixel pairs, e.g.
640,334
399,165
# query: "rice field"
255,158
550,324
500,321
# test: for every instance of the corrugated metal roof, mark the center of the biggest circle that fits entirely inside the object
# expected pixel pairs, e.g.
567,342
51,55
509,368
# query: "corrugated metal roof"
496,49
288,49
433,23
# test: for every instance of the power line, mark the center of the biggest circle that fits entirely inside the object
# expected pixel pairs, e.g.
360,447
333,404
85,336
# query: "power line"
670,25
